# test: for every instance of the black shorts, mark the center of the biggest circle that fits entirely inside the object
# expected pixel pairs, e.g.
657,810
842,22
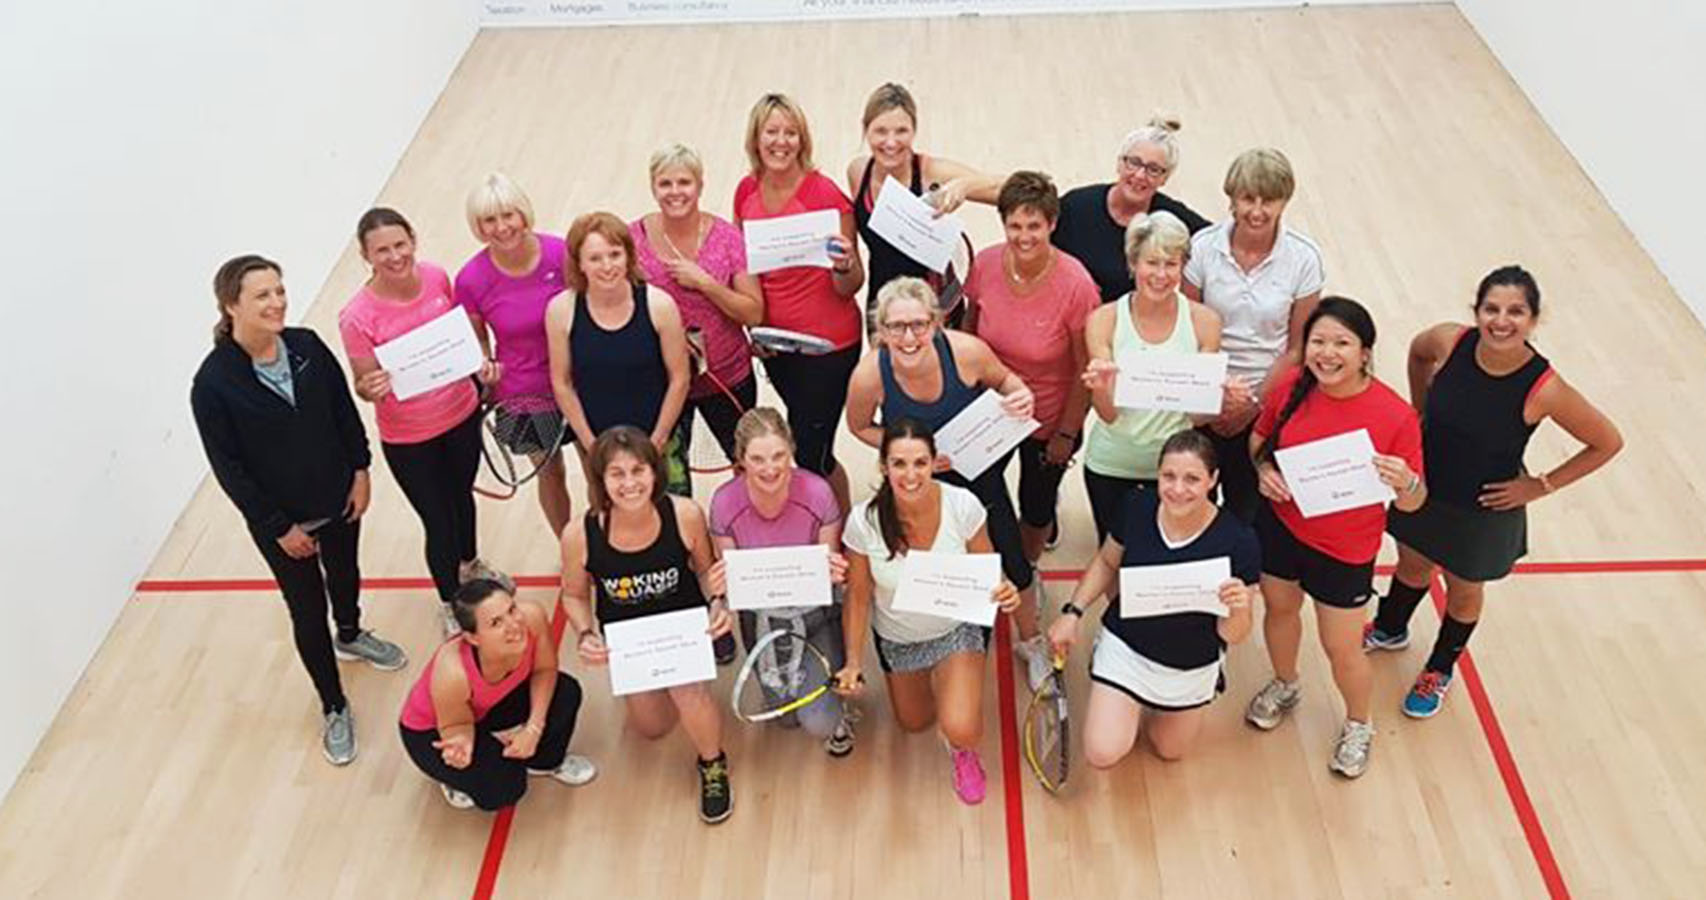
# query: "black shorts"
1340,585
814,391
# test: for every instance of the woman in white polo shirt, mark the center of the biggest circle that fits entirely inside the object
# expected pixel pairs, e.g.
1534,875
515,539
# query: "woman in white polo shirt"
1263,279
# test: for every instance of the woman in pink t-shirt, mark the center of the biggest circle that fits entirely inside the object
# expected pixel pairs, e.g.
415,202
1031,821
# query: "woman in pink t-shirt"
700,260
1029,302
505,288
432,440
818,302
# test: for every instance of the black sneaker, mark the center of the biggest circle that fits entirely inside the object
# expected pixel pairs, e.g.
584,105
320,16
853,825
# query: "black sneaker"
715,799
725,648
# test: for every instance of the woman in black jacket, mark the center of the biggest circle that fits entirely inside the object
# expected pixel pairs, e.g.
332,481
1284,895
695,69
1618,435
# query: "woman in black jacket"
285,443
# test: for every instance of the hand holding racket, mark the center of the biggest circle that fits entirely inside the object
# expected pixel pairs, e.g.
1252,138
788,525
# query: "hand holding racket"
1062,635
849,681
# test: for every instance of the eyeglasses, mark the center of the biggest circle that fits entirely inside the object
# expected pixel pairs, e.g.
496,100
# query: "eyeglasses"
919,327
1134,163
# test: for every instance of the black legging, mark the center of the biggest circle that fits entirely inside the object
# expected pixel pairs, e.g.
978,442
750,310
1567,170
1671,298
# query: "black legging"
999,519
308,584
493,780
437,476
1238,490
814,390
720,414
1108,496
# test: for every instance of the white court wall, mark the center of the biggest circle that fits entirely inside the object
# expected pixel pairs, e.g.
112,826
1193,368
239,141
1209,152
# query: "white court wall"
1613,83
140,145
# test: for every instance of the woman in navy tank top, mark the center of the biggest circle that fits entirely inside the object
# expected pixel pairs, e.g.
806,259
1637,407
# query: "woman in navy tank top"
1482,391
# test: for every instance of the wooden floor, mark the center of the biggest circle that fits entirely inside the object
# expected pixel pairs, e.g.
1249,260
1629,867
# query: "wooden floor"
186,765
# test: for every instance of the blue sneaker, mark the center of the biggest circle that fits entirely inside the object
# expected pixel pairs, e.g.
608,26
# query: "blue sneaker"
1375,639
1427,695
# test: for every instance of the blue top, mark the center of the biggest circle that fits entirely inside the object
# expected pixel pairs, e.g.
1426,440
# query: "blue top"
619,374
956,394
276,374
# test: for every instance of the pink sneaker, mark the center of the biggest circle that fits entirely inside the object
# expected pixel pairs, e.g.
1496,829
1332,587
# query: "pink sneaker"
969,781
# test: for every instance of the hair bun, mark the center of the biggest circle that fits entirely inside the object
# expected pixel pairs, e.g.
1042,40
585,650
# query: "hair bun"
1167,120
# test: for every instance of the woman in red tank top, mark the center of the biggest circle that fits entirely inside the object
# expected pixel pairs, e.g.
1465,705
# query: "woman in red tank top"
491,707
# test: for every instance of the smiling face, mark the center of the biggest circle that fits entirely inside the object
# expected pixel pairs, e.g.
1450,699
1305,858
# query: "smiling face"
390,251
1184,482
604,262
890,138
909,467
498,624
1335,354
1141,172
908,328
1256,217
1157,273
505,230
768,462
676,190
779,142
1028,232
1504,317
628,482
260,305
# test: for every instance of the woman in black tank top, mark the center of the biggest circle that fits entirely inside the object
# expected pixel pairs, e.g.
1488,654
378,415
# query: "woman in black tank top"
891,122
641,552
1481,391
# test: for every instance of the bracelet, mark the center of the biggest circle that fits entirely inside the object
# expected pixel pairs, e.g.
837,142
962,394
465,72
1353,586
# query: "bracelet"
1070,437
533,728
581,637
1070,608
1545,483
1414,485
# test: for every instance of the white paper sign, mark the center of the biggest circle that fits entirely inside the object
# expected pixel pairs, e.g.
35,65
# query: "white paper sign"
431,356
981,434
1174,588
903,219
785,241
660,651
1174,382
1333,474
956,586
776,577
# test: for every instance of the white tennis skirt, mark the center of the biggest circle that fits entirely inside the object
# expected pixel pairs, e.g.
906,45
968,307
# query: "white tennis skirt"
1150,683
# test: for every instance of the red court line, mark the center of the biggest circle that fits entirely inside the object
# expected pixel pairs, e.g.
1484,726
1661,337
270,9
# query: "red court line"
233,585
499,838
1532,829
1012,791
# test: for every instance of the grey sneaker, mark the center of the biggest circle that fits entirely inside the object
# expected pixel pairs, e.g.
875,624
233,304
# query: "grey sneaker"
575,771
839,743
455,798
1350,751
1271,703
447,621
1375,639
337,738
477,569
373,650
1039,661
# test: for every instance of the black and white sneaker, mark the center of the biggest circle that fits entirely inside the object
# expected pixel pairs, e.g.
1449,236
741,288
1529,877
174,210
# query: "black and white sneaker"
715,799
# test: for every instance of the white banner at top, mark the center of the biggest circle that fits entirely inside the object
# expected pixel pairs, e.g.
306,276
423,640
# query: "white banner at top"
613,12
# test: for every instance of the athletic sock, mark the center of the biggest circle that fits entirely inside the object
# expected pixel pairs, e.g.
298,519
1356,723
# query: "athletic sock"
1397,607
1453,637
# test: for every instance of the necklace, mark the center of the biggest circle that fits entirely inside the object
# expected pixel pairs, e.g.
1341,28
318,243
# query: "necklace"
698,239
1019,280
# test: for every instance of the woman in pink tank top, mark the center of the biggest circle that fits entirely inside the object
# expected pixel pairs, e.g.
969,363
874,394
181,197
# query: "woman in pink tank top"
491,707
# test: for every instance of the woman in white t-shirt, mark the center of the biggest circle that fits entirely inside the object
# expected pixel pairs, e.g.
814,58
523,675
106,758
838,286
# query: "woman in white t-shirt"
933,666
1264,280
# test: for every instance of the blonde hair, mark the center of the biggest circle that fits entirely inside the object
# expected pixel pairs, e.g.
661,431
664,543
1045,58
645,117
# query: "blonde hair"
496,194
1263,172
677,155
607,226
760,421
1161,232
1159,131
770,103
907,288
886,97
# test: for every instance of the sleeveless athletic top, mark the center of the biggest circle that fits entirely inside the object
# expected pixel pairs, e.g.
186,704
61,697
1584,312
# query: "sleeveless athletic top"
1473,432
656,579
887,263
956,394
1130,446
418,711
619,375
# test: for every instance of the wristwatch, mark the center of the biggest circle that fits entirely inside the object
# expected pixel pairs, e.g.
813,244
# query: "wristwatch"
1072,608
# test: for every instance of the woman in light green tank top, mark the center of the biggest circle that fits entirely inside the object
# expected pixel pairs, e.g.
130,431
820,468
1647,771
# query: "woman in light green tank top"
1125,444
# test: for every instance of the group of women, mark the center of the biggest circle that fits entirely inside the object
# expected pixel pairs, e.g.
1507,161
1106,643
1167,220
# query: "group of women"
628,329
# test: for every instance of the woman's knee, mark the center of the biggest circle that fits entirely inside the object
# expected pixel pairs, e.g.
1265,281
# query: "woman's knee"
504,790
1103,752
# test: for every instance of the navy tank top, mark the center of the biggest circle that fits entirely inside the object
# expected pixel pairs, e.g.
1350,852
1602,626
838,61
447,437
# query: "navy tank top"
1473,432
887,263
619,374
657,579
956,394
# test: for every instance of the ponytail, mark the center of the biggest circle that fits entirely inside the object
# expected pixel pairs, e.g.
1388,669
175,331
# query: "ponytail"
1299,393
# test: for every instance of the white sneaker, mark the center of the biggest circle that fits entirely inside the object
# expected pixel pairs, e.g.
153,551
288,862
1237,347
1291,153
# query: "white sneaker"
1039,662
1350,751
455,798
447,621
575,771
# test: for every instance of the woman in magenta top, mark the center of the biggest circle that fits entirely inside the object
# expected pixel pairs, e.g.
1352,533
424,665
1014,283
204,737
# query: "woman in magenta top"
432,440
1330,557
505,288
700,260
1029,302
818,302
491,707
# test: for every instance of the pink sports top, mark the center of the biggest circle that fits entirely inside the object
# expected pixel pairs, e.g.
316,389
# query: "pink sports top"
418,711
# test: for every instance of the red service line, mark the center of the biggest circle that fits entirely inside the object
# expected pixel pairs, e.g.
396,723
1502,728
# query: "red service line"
1012,790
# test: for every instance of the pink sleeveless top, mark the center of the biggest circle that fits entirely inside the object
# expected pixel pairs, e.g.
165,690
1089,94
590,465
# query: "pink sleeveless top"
418,711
